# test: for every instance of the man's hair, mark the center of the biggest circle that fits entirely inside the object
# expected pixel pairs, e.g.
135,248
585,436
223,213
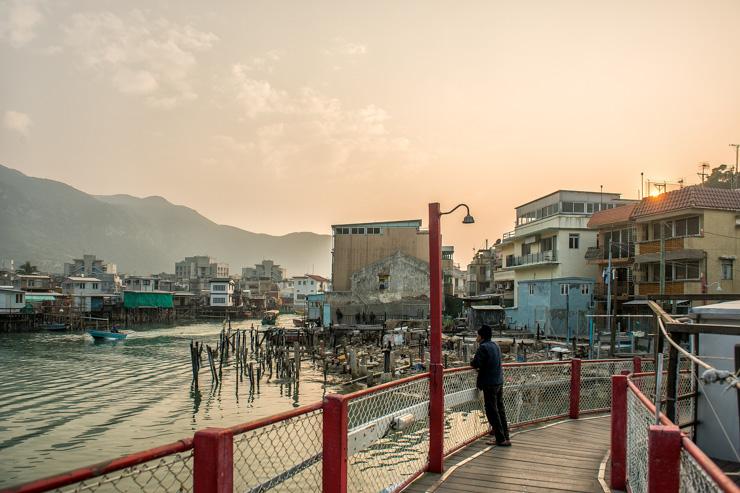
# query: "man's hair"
485,332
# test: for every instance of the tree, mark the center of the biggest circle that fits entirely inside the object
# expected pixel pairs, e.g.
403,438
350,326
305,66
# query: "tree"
721,177
27,268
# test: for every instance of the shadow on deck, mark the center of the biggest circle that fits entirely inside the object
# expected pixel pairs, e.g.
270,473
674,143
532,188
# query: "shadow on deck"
567,455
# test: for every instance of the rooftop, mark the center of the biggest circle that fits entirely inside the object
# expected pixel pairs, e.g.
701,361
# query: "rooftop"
617,215
409,223
605,194
83,279
317,278
693,197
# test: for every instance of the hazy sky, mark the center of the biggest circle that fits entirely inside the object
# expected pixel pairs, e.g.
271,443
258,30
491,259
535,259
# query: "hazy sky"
279,117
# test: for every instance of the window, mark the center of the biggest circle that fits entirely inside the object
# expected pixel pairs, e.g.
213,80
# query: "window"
373,231
526,248
358,231
509,260
578,207
95,285
19,298
341,231
218,287
218,299
727,269
383,281
683,271
564,289
546,244
312,283
574,240
567,206
146,282
531,288
81,285
584,288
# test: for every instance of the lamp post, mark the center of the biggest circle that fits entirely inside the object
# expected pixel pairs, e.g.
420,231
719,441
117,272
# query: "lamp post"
436,373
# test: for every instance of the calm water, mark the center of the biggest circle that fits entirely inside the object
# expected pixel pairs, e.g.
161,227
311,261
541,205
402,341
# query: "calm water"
68,402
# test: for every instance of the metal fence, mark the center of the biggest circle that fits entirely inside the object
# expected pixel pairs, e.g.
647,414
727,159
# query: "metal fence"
695,472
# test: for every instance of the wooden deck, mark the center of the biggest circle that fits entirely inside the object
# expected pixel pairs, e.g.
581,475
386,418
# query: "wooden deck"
562,456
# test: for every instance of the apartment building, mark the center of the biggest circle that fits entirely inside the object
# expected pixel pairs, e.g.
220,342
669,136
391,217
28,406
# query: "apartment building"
544,259
221,292
200,267
356,246
91,266
694,233
614,230
480,272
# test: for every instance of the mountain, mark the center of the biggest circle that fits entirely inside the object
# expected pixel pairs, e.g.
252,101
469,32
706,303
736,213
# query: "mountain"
49,223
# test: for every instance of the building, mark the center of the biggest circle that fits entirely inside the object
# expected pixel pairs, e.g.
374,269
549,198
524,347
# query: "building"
142,284
12,300
392,279
221,292
86,293
200,267
32,283
91,266
615,230
694,233
306,285
265,270
480,272
544,258
356,246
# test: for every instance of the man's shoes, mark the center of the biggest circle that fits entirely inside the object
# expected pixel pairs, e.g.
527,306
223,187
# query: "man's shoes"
505,443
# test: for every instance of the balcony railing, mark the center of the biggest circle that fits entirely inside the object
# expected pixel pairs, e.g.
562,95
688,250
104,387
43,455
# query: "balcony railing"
533,258
618,252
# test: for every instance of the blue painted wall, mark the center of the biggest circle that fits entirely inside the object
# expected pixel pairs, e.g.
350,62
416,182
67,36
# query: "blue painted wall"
544,304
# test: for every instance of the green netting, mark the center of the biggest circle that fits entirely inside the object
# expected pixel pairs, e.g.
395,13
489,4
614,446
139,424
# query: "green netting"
135,299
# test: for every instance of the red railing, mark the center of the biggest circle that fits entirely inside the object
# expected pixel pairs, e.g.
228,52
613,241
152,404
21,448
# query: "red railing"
377,439
646,456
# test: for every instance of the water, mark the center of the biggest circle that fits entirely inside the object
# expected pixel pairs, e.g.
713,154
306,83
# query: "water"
68,401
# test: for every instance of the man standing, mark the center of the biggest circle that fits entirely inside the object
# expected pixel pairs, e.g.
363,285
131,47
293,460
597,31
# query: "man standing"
490,380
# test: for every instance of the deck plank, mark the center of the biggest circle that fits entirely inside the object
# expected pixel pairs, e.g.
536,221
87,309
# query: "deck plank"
558,457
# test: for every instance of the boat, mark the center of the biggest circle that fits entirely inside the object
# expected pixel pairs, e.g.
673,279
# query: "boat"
299,322
270,317
101,335
54,327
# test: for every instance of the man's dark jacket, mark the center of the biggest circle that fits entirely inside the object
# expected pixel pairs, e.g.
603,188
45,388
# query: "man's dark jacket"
487,360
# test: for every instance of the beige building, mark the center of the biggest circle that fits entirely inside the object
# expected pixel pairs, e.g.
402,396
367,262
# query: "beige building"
358,245
700,235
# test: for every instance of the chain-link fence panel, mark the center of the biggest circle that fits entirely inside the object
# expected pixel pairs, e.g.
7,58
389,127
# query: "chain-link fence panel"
694,478
388,438
465,417
639,419
282,456
596,383
172,474
534,392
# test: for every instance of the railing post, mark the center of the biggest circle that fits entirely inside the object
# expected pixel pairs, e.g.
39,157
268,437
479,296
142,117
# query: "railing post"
636,364
664,459
334,456
575,388
213,470
619,432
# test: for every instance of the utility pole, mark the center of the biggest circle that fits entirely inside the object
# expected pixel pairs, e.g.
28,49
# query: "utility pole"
612,334
734,175
642,185
662,258
703,166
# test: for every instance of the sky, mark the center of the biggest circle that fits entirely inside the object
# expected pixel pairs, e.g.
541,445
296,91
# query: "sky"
292,116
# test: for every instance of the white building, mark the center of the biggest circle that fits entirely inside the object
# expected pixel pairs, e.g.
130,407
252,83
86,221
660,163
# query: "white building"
86,292
308,284
221,292
140,283
11,299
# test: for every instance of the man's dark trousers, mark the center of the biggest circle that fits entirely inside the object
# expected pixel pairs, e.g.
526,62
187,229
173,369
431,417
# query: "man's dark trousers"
493,398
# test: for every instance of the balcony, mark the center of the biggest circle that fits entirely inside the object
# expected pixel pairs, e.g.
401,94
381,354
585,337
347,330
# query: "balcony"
619,253
620,289
533,259
671,244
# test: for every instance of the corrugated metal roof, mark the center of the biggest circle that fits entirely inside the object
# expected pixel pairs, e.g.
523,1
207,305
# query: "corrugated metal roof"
693,197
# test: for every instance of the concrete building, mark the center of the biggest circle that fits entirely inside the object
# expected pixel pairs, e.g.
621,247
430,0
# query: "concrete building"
306,285
355,246
12,300
200,267
392,279
32,283
221,292
91,266
699,226
86,292
142,284
613,226
544,258
480,272
265,270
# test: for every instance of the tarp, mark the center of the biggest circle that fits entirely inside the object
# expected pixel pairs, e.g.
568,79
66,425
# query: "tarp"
136,299
32,298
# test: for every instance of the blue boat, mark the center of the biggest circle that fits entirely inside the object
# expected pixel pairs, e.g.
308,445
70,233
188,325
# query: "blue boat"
54,327
101,335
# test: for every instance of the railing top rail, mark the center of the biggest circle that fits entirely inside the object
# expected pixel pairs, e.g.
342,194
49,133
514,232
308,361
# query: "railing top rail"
101,468
275,418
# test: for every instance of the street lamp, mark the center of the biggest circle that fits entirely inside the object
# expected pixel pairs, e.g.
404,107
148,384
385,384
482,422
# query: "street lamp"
719,287
436,371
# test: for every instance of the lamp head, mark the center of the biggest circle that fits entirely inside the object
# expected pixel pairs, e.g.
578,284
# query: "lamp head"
719,288
468,219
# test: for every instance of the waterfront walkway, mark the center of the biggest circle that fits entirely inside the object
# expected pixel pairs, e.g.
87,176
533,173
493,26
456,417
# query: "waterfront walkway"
567,455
